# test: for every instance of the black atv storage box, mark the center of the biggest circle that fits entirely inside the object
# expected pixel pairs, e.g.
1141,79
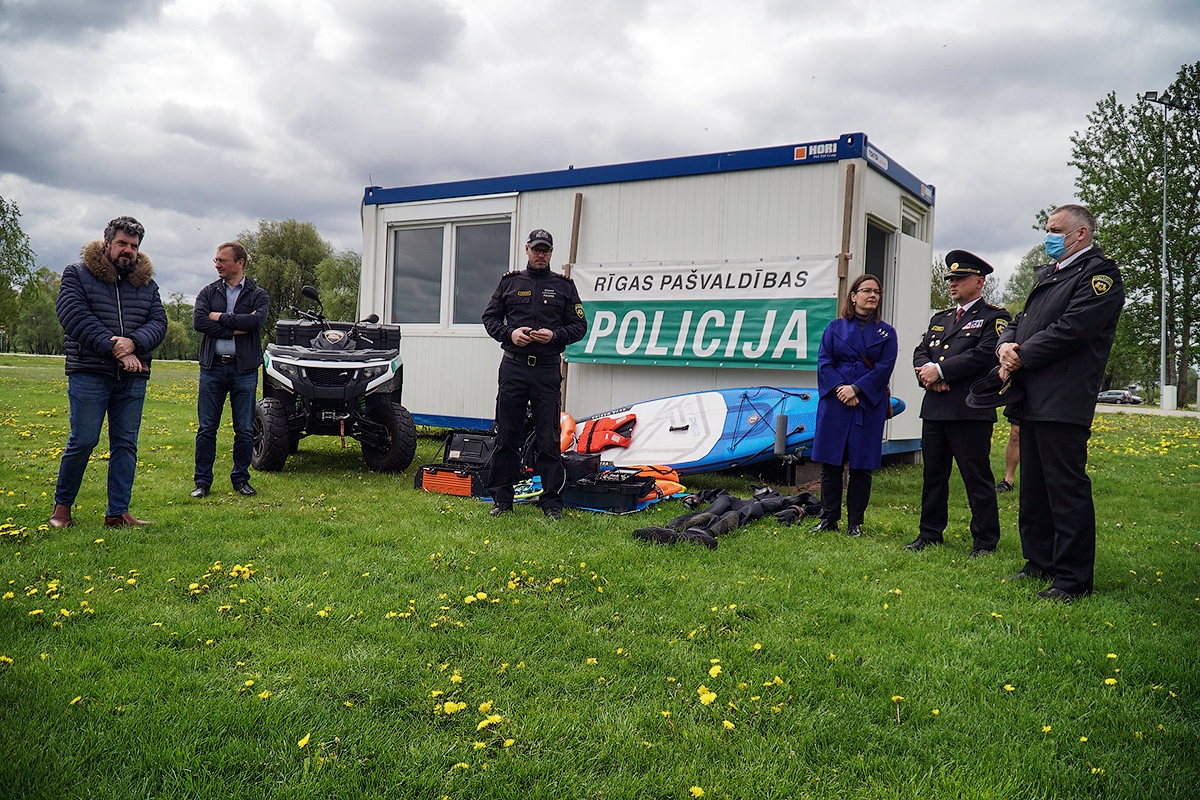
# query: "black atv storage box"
618,490
300,333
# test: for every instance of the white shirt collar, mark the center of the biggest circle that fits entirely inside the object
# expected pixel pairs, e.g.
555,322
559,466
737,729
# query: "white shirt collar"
968,305
1066,261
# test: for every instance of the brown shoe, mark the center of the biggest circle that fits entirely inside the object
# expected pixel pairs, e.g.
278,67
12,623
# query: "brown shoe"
123,520
61,518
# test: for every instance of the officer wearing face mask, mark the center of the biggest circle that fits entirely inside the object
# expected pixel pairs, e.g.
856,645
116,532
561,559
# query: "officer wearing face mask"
1058,347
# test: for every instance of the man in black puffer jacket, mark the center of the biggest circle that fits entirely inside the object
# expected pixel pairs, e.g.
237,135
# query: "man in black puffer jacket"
112,317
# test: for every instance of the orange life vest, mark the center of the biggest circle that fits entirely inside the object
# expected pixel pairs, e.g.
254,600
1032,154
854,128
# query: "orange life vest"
597,434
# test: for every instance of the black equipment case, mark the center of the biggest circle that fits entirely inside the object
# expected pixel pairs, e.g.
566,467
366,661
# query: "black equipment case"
466,459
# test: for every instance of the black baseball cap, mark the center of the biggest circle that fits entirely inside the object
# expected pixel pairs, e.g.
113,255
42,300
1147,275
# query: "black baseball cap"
539,236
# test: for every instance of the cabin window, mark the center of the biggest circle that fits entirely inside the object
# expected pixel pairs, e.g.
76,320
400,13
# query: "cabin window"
480,258
444,272
417,275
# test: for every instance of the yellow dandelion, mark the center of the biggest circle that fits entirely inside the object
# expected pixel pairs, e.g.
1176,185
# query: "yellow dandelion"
264,694
303,743
75,702
935,712
248,684
436,693
35,612
714,670
1008,687
1110,681
832,657
509,742
592,661
665,713
1046,729
1111,655
757,646
6,661
485,707
322,613
480,745
707,698
897,698
348,704
696,791
1083,738
727,725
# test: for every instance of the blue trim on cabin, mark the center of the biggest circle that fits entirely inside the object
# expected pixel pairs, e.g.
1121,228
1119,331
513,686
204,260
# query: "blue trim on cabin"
847,146
893,446
441,421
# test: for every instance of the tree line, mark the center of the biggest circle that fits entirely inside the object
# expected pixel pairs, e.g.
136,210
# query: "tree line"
284,255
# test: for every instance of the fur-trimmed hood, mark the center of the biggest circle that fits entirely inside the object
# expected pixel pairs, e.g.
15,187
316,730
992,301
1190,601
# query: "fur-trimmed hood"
98,264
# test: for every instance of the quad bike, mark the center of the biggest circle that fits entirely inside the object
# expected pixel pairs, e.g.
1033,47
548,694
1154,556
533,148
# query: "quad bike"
324,378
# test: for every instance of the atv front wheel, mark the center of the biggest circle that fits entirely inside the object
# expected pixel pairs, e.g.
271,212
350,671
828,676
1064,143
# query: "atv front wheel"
395,450
271,439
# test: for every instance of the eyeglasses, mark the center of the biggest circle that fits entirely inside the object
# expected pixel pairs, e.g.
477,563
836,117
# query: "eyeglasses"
869,291
542,250
222,260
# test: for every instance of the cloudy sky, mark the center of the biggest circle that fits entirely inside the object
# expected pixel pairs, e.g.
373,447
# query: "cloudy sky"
200,117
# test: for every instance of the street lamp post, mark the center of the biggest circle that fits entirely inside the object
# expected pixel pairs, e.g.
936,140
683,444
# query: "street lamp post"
1167,394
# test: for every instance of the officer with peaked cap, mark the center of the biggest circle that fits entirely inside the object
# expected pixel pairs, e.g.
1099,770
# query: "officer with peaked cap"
534,314
958,350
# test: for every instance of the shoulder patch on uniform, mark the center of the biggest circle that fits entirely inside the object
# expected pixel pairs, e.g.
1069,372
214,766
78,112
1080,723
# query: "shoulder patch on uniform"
579,310
1101,284
524,293
1001,324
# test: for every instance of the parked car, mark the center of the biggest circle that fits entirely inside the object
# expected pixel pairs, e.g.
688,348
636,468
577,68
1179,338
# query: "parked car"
1118,396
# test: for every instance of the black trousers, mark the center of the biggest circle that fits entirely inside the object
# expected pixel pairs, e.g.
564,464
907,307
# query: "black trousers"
1058,518
969,443
538,387
858,494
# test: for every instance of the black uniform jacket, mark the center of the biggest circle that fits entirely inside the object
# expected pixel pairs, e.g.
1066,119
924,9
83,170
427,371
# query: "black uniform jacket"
1066,332
966,352
535,299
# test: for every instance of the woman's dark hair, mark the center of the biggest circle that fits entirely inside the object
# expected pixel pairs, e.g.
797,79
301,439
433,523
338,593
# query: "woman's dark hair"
848,306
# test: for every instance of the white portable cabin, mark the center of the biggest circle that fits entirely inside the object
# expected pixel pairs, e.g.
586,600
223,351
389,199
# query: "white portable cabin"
433,254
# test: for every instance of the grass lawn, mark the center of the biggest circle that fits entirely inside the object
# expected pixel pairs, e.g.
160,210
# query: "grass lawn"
344,635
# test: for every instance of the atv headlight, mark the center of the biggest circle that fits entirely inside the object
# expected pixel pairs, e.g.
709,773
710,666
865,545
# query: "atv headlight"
290,370
367,373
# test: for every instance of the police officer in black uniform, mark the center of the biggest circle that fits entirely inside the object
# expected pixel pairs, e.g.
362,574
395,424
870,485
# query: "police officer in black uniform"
1058,346
958,349
534,314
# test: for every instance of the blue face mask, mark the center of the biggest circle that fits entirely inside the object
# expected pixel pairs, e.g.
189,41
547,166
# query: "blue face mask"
1055,246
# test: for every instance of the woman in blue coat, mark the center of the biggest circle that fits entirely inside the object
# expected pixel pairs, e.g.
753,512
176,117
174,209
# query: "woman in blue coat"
854,365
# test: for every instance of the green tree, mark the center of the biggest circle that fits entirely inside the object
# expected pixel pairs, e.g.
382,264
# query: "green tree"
182,340
337,280
1020,282
16,266
283,256
1120,161
939,288
37,329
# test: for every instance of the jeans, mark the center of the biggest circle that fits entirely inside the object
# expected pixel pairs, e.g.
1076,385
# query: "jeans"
241,387
92,396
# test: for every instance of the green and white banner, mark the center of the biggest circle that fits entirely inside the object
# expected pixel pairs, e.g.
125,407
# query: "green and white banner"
767,313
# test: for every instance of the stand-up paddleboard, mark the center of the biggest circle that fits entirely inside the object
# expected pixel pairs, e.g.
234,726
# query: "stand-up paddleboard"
705,431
